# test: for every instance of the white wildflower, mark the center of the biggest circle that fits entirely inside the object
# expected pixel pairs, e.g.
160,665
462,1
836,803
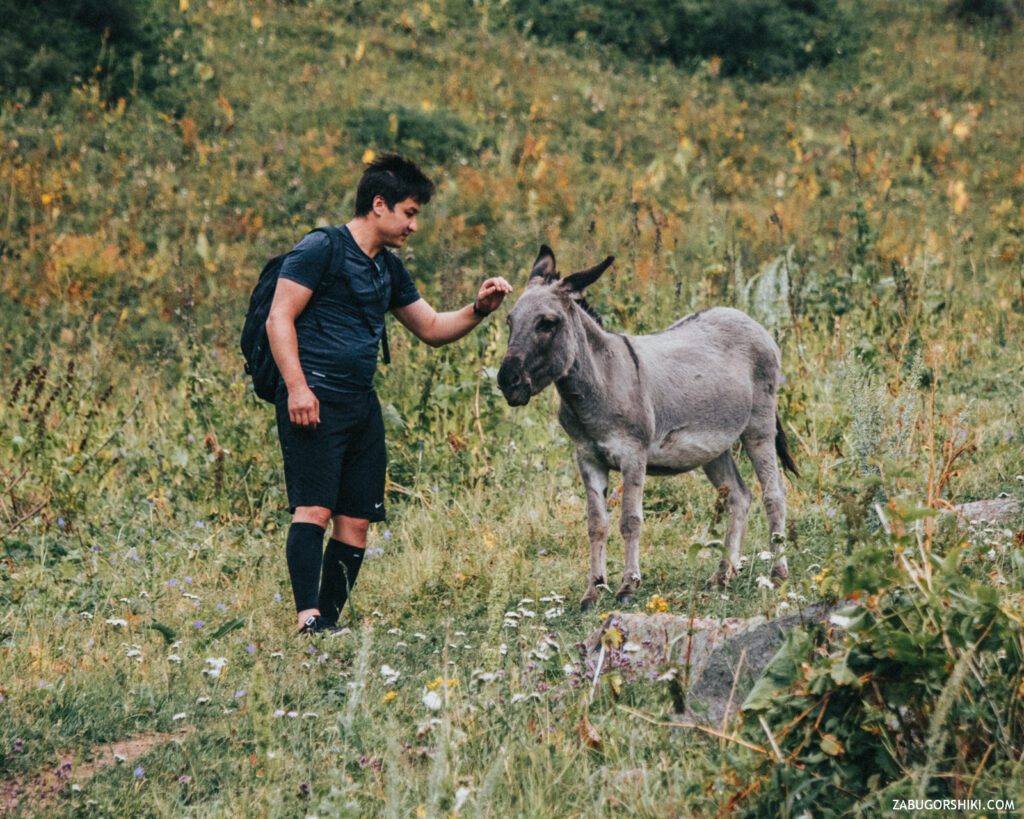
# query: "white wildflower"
117,622
202,700
631,648
432,700
174,658
765,555
461,795
179,716
764,582
389,674
216,665
568,669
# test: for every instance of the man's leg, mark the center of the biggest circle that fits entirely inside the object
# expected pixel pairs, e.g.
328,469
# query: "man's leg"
343,558
305,552
360,502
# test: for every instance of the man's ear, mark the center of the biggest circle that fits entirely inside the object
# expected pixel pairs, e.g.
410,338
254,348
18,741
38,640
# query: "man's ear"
577,282
544,268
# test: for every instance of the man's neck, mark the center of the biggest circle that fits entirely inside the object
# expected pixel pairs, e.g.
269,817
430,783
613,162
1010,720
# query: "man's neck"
365,235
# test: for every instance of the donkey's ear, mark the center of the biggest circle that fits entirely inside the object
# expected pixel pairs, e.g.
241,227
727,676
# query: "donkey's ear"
544,267
580,281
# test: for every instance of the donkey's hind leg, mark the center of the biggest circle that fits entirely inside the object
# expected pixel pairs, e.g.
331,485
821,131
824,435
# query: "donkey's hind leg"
725,477
595,478
760,446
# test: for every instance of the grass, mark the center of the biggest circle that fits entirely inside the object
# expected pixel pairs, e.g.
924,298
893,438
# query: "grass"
143,484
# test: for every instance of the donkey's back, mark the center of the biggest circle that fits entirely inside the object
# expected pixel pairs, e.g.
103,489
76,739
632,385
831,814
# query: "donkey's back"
708,378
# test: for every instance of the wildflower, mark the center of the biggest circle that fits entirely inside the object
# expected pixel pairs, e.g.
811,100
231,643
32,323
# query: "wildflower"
179,716
185,779
657,604
221,607
239,693
199,624
173,658
216,665
304,790
432,700
277,598
202,700
764,582
117,622
19,746
765,555
279,713
389,674
387,534
172,582
140,772
250,649
390,696
461,795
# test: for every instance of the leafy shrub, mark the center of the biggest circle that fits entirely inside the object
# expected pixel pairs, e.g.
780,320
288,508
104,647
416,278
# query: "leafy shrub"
921,696
52,44
434,136
1004,12
759,39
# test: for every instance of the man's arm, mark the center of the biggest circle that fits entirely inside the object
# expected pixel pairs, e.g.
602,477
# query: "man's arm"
437,329
290,299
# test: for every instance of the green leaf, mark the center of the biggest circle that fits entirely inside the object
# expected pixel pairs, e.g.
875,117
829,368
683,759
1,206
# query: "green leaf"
226,628
168,633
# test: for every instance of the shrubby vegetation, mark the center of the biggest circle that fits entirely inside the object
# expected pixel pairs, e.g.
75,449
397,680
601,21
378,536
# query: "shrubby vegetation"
870,212
125,47
761,39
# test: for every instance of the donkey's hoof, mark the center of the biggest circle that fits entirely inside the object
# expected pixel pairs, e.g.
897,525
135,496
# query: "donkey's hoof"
720,579
780,574
587,603
627,599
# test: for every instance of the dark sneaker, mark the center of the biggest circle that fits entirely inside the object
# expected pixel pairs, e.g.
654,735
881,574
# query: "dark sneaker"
315,624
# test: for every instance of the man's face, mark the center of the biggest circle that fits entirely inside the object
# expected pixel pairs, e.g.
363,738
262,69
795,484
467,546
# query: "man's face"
394,226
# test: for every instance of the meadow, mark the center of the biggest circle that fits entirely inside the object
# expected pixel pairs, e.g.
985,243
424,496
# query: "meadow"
869,212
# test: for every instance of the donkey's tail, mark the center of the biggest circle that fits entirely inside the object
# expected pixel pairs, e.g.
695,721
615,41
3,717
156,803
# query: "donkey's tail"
782,448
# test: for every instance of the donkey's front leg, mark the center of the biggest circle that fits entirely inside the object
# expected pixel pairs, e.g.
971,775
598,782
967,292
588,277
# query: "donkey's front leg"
595,478
632,519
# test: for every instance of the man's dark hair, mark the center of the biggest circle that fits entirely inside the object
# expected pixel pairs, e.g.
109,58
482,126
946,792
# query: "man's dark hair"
395,178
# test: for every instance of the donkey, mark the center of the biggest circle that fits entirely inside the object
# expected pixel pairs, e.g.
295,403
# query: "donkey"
661,404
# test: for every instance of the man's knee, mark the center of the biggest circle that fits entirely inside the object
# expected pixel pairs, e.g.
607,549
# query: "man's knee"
351,530
318,515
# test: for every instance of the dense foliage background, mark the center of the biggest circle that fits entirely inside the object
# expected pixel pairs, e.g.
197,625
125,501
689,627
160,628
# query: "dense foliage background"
858,188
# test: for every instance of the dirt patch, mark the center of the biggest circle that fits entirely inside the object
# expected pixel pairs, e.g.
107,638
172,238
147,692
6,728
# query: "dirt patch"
39,792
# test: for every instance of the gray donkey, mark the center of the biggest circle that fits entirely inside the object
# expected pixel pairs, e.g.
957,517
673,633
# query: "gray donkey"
661,404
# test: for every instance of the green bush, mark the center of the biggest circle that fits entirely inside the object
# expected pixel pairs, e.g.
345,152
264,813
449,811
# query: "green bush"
434,136
759,39
920,699
51,45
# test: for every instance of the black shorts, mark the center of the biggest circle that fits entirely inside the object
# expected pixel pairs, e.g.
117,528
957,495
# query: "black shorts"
341,464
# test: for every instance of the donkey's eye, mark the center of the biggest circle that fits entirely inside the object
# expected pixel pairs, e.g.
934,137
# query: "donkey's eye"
547,325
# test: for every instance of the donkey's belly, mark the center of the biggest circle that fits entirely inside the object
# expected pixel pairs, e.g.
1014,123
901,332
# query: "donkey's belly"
682,450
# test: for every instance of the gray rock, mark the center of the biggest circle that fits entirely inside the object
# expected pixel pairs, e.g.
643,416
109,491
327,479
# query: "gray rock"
711,664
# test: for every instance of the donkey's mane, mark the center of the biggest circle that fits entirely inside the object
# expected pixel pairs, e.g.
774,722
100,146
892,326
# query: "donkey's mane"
590,311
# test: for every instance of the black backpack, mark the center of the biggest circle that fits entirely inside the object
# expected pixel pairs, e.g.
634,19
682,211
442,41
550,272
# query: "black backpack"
259,362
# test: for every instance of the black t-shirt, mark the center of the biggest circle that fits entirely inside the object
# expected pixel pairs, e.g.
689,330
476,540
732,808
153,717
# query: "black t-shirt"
340,330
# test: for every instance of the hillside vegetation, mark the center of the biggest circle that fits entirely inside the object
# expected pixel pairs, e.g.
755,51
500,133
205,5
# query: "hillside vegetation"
869,211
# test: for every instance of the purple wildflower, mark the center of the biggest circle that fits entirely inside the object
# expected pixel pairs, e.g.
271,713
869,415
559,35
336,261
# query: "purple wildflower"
140,772
199,624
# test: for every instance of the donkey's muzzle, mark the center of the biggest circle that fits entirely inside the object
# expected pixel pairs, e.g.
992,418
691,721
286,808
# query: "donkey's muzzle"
513,382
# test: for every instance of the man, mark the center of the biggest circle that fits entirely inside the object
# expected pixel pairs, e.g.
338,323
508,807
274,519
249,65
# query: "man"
328,416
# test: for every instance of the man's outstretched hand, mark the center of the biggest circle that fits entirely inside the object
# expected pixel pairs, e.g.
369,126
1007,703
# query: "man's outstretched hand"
492,293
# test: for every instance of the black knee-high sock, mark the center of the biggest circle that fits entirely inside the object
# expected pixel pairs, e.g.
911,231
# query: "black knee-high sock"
304,552
341,567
